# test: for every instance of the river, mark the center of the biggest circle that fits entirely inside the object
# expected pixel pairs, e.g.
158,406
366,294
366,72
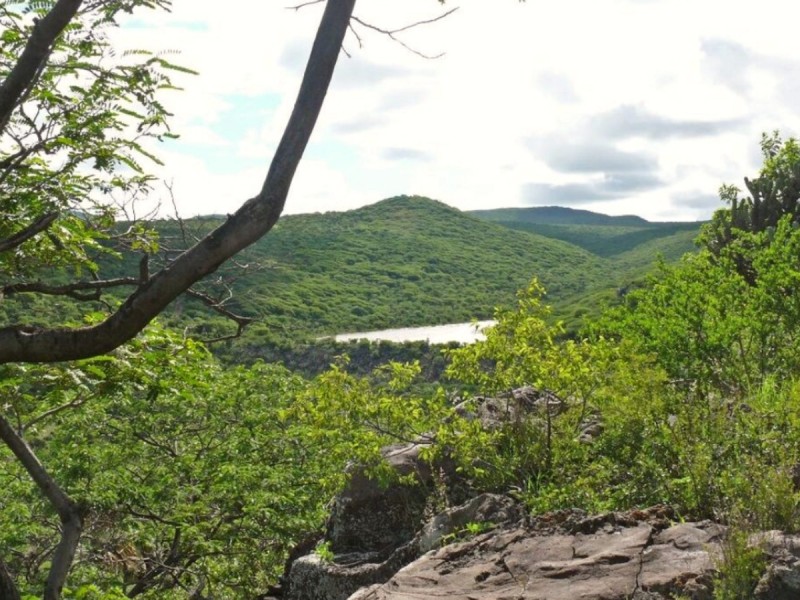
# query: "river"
463,333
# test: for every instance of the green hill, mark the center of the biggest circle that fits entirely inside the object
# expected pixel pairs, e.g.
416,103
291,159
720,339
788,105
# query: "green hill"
409,261
600,234
555,215
402,261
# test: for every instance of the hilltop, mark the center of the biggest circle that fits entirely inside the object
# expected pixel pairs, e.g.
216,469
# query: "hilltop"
603,235
402,261
410,260
556,215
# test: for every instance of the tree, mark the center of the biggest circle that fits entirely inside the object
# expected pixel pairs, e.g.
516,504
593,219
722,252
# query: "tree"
68,122
56,99
25,343
774,194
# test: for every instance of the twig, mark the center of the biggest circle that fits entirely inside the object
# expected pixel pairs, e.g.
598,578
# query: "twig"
392,33
31,230
218,306
304,4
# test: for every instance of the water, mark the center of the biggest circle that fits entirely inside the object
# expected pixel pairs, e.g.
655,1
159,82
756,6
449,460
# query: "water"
463,333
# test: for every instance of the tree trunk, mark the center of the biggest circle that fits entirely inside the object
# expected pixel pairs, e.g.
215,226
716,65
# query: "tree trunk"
69,513
254,218
8,591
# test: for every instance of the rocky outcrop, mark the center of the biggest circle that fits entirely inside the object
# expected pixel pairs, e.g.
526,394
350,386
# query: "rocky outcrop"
634,555
494,412
369,517
391,542
314,578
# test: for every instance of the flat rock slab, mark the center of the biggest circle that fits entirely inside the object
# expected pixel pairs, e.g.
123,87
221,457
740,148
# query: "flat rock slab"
614,562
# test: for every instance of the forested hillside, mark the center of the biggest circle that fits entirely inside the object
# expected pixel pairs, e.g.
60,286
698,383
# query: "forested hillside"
600,234
411,260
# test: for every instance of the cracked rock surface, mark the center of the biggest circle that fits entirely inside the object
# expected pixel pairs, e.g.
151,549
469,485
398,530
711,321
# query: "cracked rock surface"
616,556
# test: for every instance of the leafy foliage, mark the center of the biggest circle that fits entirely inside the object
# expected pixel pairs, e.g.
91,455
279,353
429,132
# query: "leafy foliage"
774,194
193,476
77,145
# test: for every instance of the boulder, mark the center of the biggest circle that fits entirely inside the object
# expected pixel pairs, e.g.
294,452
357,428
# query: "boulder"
369,517
521,403
313,578
781,581
614,557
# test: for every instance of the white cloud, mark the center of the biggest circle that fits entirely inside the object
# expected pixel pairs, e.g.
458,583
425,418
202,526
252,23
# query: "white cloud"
460,128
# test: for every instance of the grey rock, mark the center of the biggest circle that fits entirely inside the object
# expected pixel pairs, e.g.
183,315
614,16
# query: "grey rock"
615,561
369,517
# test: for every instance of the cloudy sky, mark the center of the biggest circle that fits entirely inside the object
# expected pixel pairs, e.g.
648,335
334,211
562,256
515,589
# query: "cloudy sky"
619,106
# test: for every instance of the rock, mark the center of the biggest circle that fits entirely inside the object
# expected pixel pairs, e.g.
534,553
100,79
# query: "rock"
521,403
781,581
487,511
312,578
616,557
369,517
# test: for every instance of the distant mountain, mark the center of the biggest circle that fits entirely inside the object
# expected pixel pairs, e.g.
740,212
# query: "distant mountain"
402,261
555,215
600,234
411,260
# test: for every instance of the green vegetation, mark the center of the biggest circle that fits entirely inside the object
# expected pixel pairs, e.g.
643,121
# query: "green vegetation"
412,261
153,469
740,567
183,465
600,234
401,262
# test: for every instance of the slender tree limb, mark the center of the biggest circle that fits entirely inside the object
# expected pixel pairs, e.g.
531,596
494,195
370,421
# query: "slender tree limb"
8,590
304,4
72,290
248,224
34,56
30,231
71,515
79,401
392,33
218,306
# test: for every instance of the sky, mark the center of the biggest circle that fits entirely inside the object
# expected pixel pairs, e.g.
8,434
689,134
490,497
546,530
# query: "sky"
618,106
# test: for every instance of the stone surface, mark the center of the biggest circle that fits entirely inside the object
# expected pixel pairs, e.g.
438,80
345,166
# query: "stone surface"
611,558
486,510
312,578
782,578
521,403
368,517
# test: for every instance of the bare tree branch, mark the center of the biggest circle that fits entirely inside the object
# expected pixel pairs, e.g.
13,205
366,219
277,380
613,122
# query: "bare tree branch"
392,33
70,514
34,56
248,224
72,290
218,306
304,4
30,231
